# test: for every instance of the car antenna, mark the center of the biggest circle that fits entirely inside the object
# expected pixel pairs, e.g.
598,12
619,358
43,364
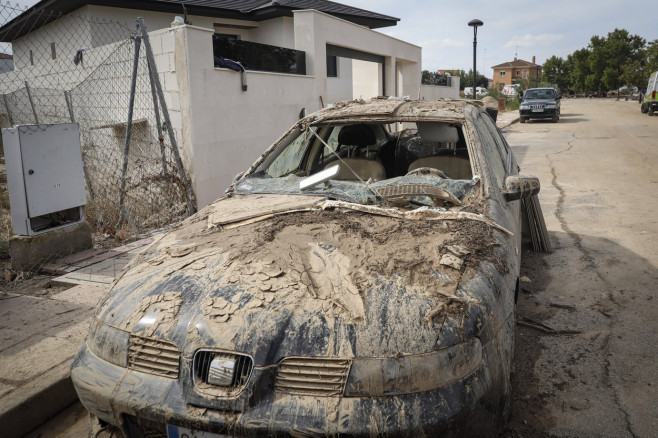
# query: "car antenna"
375,192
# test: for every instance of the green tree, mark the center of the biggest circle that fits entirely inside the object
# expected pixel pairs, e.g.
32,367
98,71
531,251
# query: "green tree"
556,71
580,69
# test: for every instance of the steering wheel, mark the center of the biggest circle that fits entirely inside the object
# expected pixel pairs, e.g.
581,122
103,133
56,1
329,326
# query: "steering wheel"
429,171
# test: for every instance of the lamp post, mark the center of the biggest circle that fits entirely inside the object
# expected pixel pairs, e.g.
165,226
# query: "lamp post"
475,24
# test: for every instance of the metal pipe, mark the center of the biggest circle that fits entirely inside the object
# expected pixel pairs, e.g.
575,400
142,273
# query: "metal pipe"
11,120
29,96
129,122
189,195
475,24
69,105
158,122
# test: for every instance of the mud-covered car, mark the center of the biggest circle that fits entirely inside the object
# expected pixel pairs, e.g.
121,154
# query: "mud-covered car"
540,103
358,280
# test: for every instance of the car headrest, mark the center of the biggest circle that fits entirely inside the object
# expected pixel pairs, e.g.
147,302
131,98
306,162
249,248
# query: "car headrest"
438,132
357,135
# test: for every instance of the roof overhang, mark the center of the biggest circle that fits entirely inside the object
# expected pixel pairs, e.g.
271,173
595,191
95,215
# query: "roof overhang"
40,14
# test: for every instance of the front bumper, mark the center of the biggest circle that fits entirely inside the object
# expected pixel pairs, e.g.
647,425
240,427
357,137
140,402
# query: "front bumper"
544,114
135,401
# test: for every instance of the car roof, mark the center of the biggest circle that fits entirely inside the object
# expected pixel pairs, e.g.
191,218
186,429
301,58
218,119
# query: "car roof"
390,109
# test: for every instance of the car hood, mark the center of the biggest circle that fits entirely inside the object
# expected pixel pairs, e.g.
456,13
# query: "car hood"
275,276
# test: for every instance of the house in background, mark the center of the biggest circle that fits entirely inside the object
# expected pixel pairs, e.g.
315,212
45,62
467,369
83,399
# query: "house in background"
222,128
513,72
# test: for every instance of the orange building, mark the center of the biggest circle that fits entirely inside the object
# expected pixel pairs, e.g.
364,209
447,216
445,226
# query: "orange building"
513,72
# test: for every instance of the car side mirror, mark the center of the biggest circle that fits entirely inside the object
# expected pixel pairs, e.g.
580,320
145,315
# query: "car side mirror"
520,187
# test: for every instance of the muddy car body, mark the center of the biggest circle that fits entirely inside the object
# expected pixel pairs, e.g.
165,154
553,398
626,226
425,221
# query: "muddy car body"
379,300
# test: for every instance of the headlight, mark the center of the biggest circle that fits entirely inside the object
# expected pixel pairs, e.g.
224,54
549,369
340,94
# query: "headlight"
550,106
524,107
414,373
108,343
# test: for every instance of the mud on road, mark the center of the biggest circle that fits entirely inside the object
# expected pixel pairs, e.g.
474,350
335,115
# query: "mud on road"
585,362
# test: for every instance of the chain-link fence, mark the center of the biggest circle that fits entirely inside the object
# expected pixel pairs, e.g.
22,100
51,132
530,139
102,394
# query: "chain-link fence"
94,72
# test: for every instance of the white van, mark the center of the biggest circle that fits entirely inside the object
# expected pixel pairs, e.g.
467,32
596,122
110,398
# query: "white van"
468,92
650,102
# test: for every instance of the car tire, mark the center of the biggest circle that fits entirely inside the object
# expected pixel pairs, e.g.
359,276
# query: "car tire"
644,109
522,119
555,119
650,112
99,430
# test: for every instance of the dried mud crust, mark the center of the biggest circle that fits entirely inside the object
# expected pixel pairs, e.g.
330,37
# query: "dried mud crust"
334,256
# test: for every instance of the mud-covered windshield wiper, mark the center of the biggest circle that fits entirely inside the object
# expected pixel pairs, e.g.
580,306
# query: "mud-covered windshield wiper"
364,183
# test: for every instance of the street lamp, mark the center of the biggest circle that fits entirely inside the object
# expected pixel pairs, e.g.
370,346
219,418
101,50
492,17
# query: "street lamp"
475,24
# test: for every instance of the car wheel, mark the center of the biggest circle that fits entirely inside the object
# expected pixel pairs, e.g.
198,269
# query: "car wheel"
522,119
644,109
650,112
100,430
555,119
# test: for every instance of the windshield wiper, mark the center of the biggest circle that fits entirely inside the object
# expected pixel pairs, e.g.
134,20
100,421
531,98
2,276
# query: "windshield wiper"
377,195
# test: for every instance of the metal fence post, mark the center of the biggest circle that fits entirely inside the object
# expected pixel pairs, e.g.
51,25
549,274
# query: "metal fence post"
29,96
129,122
69,105
189,194
158,122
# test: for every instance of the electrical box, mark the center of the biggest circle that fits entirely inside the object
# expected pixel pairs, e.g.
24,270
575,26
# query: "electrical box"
45,177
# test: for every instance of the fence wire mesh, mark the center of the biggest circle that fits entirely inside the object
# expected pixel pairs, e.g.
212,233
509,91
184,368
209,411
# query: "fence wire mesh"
73,68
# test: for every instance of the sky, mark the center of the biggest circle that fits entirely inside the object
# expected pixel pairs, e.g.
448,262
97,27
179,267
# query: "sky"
525,29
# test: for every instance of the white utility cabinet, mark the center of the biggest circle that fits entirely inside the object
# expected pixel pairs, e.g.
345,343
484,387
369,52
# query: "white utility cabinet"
45,176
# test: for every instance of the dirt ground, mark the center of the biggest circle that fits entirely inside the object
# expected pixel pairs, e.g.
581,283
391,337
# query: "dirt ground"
586,320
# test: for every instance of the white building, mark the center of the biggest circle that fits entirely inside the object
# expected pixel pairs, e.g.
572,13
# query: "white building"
221,128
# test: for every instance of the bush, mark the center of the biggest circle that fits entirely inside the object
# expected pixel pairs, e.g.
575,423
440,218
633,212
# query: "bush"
512,104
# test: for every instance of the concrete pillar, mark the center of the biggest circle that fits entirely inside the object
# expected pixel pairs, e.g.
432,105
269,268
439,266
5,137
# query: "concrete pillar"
390,76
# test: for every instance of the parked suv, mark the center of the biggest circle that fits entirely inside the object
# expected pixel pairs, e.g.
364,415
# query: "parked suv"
539,103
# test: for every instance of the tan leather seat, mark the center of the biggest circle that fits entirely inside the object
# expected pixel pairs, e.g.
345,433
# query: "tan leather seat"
454,166
365,168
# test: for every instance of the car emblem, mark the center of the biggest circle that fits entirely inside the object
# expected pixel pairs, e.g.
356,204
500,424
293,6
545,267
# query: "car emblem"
221,371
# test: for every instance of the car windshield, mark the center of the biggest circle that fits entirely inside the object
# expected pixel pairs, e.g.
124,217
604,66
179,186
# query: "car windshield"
373,163
540,94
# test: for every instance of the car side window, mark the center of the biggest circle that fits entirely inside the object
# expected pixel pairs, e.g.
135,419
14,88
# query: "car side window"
492,150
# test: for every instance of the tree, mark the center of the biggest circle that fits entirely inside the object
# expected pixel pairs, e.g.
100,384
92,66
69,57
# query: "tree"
580,69
556,71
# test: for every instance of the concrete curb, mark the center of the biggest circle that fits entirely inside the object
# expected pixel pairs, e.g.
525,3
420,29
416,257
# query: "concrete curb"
36,405
38,341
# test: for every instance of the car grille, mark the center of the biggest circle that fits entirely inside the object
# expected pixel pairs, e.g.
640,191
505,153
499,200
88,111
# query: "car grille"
312,376
536,106
202,371
153,356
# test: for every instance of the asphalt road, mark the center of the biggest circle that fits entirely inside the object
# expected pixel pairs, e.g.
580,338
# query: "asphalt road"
599,172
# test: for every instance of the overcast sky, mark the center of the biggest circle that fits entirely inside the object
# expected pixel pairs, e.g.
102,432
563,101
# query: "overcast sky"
540,28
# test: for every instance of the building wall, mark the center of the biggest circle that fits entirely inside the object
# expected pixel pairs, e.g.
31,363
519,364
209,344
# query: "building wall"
341,88
434,92
367,81
227,129
526,73
314,30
